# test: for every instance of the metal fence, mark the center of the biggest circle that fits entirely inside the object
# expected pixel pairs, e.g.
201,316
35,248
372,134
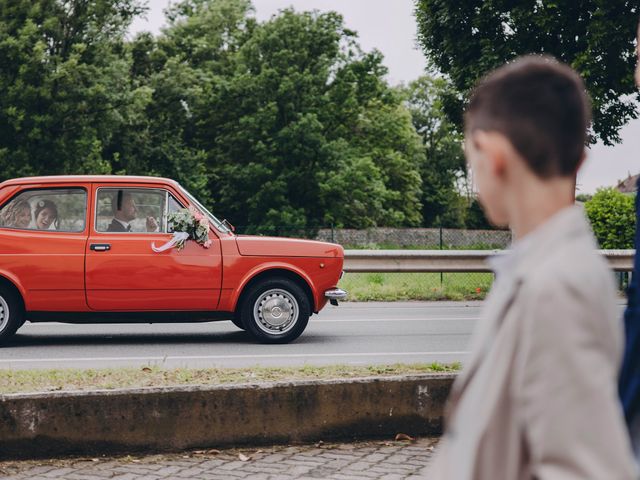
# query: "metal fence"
421,263
383,237
437,274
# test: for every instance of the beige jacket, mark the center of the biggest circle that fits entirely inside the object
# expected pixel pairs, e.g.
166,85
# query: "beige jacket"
537,398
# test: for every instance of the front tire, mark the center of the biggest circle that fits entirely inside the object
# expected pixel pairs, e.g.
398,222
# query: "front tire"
275,310
11,314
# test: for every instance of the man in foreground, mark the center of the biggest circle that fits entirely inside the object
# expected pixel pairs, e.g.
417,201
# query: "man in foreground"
538,397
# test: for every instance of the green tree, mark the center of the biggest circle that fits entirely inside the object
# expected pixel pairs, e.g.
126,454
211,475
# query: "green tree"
612,217
465,40
298,126
443,163
281,123
475,218
64,83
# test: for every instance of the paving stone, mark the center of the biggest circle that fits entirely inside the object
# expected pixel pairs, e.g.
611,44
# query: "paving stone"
101,474
168,470
211,464
58,473
354,461
360,465
393,476
346,476
274,458
190,472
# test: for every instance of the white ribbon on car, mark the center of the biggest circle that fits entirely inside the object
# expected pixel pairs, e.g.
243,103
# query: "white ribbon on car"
177,239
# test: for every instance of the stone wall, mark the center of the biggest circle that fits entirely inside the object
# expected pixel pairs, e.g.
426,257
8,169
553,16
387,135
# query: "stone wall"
416,237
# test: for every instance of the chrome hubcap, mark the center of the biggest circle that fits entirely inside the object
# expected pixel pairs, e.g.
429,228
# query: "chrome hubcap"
276,311
4,313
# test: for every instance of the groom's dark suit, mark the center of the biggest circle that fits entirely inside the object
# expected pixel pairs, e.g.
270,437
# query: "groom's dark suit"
116,226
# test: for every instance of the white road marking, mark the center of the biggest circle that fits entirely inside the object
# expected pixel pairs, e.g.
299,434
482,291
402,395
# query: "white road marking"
355,320
313,320
224,357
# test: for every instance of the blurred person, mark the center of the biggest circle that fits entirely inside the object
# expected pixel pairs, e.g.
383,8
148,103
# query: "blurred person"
46,215
537,398
16,215
629,385
125,212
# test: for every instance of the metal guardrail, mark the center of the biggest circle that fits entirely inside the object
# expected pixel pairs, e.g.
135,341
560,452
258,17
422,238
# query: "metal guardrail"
448,260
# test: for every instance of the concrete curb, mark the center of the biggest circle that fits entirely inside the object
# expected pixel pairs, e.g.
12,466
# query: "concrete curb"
166,419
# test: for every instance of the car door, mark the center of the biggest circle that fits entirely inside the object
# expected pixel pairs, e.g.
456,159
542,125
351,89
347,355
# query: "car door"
43,234
124,273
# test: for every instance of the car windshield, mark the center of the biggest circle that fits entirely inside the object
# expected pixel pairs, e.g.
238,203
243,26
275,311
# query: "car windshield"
218,224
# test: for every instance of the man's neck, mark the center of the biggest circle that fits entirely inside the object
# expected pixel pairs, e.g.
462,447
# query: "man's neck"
533,203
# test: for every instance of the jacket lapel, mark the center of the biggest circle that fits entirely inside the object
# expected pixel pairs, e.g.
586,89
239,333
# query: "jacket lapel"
496,306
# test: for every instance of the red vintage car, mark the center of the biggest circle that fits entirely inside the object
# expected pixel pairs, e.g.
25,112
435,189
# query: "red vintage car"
84,249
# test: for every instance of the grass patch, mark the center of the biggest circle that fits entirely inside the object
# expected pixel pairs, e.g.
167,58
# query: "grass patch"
22,381
416,286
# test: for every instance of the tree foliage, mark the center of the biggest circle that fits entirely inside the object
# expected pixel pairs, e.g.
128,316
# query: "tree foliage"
296,126
613,219
465,40
443,163
285,122
64,82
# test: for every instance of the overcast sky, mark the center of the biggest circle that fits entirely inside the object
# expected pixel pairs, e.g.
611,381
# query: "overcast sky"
389,26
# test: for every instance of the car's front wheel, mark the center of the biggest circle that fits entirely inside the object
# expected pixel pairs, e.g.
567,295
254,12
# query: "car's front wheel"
11,314
275,310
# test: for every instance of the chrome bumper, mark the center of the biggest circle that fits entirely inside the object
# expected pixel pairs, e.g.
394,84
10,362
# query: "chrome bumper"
335,294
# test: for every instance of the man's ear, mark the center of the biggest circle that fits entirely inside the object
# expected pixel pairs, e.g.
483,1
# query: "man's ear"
493,146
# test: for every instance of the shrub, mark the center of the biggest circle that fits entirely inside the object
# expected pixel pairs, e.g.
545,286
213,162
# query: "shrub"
612,217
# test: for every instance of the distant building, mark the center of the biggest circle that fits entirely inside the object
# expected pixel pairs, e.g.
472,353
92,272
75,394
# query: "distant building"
628,185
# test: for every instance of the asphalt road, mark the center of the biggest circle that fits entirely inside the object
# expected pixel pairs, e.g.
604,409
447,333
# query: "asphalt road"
353,333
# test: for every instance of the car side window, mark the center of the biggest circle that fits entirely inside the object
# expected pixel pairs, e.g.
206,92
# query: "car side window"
173,206
137,210
56,209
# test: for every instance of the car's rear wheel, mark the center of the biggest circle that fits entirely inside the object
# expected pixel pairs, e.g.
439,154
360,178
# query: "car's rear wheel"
11,314
275,310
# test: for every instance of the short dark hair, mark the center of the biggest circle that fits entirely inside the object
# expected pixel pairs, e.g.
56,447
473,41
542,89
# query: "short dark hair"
541,106
117,199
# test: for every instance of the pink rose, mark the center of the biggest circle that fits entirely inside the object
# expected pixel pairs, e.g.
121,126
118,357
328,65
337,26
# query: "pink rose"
196,214
207,244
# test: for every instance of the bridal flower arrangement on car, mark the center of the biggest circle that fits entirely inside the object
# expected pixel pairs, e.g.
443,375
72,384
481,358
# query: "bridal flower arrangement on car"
187,224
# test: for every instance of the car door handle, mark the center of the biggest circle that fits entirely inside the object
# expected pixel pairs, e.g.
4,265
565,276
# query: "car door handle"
100,247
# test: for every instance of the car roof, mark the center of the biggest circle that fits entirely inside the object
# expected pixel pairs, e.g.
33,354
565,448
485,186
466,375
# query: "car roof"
86,179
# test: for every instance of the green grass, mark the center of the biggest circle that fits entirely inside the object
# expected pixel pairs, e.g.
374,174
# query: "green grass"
14,381
416,286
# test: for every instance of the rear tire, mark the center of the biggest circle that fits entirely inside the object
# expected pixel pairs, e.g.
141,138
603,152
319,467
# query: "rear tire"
11,314
275,310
